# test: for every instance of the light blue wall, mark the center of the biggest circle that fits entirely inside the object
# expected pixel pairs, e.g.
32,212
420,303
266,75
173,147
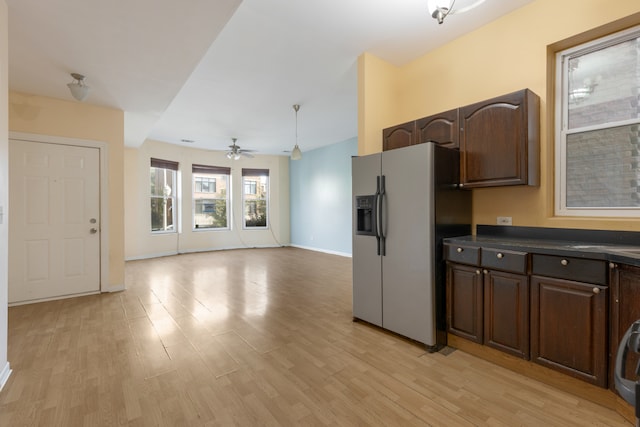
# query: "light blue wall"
320,197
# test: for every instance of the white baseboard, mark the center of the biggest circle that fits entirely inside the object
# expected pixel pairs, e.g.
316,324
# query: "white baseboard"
149,256
226,248
326,251
115,288
34,301
192,251
4,375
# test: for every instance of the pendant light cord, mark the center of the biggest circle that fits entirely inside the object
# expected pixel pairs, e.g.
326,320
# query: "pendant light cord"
296,107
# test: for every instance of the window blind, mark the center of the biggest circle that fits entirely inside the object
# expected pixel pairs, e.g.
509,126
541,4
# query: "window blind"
255,172
164,164
211,169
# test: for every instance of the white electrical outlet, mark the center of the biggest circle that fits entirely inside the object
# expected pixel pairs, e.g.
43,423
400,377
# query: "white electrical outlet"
504,220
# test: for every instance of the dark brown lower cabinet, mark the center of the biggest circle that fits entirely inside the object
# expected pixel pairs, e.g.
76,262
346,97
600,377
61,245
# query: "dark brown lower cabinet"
625,309
506,312
569,327
464,301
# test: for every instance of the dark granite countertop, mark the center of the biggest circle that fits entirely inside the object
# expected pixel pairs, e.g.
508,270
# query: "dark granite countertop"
618,247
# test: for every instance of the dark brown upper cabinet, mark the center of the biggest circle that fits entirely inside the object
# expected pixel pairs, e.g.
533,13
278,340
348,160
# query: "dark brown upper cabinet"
499,141
442,129
399,136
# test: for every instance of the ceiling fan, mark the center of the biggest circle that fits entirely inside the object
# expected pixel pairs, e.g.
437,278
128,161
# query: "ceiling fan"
236,152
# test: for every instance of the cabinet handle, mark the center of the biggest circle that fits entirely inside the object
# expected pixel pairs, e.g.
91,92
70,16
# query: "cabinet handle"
564,262
612,265
477,271
596,291
459,250
500,255
485,271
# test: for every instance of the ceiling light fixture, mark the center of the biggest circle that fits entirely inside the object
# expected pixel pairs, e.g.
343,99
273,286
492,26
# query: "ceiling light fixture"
578,94
440,9
236,152
296,154
78,88
233,153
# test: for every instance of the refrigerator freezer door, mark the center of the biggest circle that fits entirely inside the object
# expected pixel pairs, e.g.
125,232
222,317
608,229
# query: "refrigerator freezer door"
408,293
367,276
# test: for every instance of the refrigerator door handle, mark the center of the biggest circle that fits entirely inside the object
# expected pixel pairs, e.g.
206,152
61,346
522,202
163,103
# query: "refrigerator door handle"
381,219
376,201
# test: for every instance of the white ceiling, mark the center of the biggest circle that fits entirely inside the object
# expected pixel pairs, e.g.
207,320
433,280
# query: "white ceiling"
210,70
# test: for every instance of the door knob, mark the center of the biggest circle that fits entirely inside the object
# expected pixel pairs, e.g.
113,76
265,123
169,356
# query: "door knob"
93,231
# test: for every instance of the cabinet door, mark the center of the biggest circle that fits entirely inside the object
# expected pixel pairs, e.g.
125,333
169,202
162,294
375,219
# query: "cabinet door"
506,312
464,301
499,141
441,128
569,328
399,136
625,309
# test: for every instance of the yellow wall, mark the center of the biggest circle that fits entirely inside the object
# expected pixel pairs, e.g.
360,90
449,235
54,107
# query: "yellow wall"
504,56
4,189
54,117
378,101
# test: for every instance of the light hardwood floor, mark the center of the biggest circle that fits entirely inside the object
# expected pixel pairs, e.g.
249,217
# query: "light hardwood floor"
251,337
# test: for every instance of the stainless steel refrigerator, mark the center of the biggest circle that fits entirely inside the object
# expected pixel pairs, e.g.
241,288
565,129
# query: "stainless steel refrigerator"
405,202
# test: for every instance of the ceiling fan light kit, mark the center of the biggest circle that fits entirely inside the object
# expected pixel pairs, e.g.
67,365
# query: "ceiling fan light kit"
236,152
296,153
79,90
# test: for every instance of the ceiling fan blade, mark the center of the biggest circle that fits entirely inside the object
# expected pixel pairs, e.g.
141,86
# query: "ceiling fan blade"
244,153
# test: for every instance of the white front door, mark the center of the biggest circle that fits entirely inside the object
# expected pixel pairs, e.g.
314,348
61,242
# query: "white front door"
54,233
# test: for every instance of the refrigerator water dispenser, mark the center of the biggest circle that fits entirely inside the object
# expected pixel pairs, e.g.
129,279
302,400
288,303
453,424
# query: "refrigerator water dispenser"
366,215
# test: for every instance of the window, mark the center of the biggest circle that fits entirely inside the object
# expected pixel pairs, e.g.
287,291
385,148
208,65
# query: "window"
255,197
250,187
210,197
205,185
163,195
598,127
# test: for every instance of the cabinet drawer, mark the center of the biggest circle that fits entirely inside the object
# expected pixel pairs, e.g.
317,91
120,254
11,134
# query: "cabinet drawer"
462,254
499,259
576,269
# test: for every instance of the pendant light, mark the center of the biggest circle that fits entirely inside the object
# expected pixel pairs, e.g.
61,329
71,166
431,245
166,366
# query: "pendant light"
296,154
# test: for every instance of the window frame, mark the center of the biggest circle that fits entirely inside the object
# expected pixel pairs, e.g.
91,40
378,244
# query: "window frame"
213,170
562,131
251,173
166,165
